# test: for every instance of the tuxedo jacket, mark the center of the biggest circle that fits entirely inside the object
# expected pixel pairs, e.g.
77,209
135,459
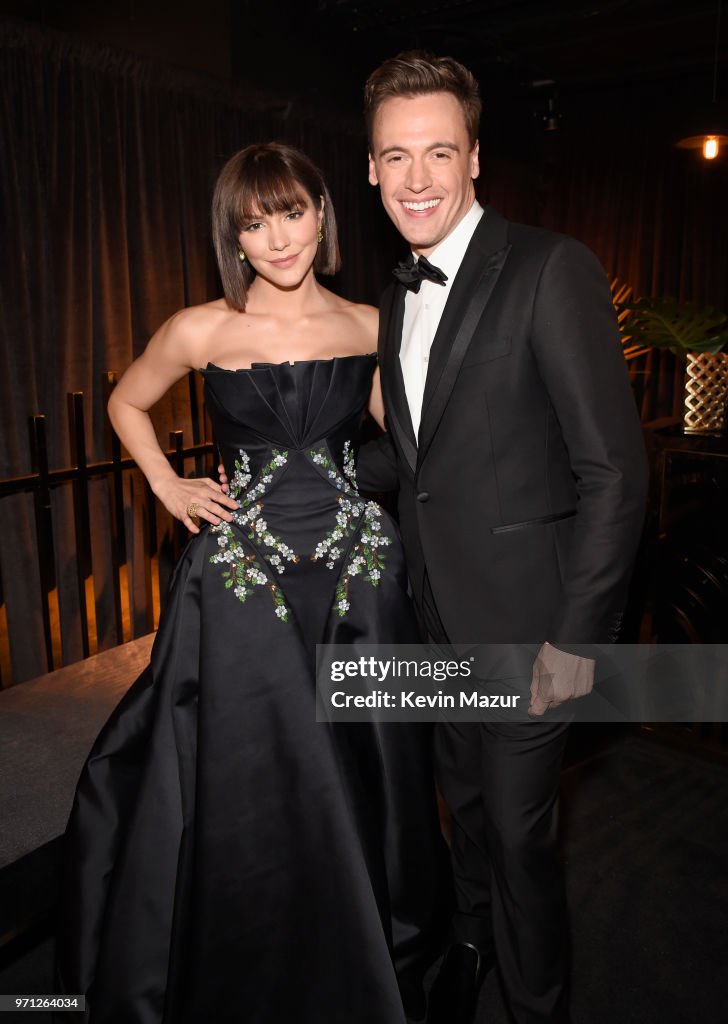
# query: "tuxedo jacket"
522,500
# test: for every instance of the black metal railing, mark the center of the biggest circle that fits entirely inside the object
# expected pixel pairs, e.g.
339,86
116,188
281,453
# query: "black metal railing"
123,501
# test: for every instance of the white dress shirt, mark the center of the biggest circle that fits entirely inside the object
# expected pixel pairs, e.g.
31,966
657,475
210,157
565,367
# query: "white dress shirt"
423,311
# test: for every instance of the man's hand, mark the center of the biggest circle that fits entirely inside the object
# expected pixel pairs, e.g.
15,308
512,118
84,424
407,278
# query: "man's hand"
558,677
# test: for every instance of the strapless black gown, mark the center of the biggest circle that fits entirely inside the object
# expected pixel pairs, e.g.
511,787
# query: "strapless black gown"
228,857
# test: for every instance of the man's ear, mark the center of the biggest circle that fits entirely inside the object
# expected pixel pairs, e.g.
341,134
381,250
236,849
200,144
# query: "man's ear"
474,162
373,179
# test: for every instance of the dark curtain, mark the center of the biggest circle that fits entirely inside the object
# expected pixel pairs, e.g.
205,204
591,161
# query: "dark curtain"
654,215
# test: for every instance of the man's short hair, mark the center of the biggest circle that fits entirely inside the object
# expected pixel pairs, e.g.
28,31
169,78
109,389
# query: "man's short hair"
418,73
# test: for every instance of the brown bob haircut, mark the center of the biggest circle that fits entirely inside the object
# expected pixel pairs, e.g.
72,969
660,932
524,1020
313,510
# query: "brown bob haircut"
261,180
417,73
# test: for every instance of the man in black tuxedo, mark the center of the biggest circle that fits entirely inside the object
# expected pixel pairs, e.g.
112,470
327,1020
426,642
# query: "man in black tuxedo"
514,442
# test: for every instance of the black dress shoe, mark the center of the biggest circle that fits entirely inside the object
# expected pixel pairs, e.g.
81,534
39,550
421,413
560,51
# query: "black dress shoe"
454,993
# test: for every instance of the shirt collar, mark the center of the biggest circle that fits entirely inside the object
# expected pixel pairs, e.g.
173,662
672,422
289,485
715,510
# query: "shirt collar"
450,252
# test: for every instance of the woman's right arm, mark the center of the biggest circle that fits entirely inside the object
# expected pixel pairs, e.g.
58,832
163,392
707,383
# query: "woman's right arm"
168,357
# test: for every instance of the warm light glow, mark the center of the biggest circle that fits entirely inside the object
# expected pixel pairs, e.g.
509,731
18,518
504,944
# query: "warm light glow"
709,144
710,147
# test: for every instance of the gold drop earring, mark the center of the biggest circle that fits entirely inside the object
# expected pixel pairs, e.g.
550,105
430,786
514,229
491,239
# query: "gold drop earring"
319,235
241,256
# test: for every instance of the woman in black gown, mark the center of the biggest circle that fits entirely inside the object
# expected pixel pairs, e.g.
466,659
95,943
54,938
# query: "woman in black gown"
228,857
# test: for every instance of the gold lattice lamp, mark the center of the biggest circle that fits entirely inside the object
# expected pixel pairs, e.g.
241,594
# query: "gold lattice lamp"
706,392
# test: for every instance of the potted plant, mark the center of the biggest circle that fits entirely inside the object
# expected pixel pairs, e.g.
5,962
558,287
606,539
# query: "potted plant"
697,337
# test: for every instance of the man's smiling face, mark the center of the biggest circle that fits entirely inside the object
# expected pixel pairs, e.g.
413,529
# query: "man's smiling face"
424,164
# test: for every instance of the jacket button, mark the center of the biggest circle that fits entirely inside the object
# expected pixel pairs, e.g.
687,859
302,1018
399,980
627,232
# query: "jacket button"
423,496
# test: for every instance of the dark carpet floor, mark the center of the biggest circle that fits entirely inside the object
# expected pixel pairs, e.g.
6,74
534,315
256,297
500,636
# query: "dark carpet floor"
645,839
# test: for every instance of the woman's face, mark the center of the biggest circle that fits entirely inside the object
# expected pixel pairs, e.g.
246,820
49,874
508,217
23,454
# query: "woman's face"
281,247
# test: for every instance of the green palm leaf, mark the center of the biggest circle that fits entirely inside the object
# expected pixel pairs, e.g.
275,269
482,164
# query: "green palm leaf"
658,322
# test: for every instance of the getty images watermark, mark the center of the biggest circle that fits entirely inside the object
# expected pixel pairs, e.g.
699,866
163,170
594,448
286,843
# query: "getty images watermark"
492,682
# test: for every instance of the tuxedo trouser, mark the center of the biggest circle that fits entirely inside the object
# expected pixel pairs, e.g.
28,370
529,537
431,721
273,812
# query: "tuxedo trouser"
500,783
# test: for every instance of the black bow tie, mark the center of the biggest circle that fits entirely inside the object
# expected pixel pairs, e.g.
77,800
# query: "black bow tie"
412,274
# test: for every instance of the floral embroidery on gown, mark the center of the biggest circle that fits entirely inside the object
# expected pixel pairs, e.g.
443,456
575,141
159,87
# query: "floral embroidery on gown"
228,857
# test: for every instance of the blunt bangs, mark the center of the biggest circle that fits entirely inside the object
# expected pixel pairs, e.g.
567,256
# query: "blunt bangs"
268,190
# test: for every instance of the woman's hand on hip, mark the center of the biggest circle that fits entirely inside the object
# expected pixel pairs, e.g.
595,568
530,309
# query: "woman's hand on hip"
196,501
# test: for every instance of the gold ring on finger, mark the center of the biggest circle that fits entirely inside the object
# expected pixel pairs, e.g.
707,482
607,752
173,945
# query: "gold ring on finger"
192,513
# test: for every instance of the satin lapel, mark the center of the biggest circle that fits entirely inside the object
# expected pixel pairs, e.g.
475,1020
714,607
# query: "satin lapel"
396,406
471,291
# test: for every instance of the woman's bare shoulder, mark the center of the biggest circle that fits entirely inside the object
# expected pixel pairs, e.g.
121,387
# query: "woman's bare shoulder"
208,316
365,321
367,314
190,331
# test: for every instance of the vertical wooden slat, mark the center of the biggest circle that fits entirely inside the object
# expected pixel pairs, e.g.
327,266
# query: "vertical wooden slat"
145,536
151,519
43,531
118,525
151,543
195,414
176,443
82,525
